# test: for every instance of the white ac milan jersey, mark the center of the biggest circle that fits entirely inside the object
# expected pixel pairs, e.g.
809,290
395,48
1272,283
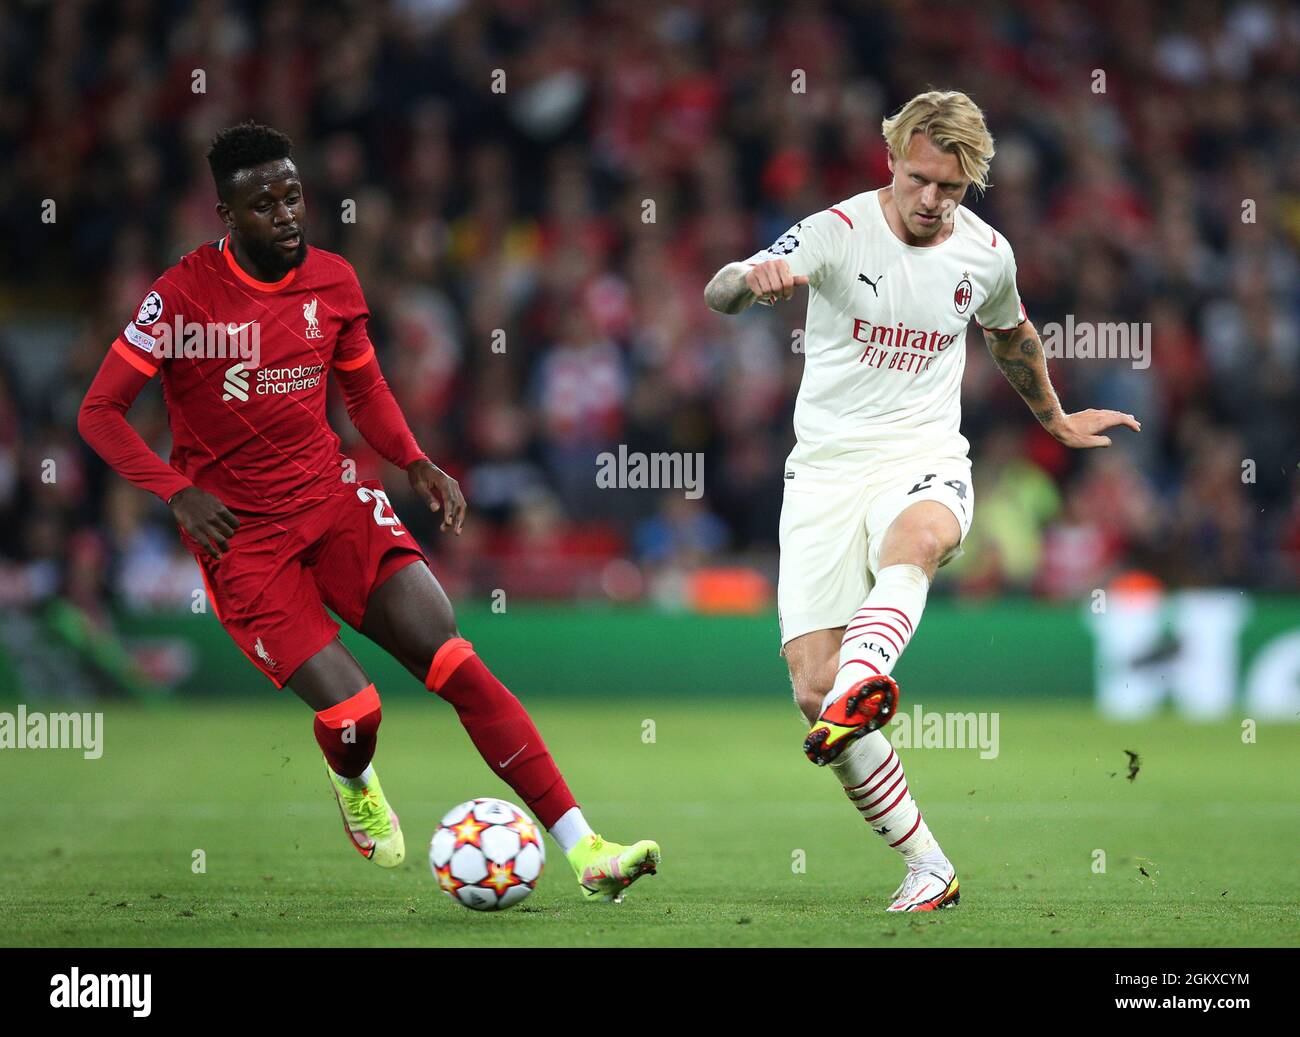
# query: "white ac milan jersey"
885,336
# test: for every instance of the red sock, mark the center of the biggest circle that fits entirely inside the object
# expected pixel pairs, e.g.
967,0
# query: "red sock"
347,732
500,729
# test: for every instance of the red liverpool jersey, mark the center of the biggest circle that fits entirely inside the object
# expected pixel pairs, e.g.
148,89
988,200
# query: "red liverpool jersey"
248,418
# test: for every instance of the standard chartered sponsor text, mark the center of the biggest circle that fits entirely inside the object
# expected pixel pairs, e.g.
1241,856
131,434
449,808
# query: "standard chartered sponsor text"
275,381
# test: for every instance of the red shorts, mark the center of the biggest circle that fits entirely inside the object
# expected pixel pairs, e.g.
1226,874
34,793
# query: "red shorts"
271,588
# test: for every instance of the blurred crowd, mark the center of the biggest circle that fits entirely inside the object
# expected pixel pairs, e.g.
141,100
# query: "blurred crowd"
541,192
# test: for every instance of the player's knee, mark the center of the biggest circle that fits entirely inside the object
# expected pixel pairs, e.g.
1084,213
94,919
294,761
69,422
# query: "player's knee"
930,549
439,631
446,658
440,634
922,547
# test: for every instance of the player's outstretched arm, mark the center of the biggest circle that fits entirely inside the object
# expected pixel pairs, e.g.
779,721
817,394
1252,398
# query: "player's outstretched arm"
737,286
1019,354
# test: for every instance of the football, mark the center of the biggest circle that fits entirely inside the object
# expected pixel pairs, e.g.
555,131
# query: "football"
487,854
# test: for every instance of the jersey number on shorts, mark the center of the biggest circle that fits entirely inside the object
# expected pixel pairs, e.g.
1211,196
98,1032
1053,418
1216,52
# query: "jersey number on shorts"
958,487
365,494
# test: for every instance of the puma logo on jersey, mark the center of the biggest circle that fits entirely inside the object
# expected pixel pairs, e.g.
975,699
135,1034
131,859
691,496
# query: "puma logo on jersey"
864,278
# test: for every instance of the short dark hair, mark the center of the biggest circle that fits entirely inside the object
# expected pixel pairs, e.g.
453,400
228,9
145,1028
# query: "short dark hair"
241,147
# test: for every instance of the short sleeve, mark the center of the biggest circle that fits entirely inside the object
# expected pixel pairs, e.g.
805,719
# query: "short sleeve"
1003,310
810,247
147,338
353,349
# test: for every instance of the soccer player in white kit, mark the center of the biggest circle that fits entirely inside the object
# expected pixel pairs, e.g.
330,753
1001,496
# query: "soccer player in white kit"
878,491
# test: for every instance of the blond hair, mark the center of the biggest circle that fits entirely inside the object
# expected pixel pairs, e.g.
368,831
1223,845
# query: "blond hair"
953,122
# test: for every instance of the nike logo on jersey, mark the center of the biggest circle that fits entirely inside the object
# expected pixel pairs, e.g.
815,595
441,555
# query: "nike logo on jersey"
232,329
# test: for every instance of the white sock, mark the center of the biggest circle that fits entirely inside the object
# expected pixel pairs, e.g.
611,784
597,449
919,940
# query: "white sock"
360,781
873,779
879,631
570,829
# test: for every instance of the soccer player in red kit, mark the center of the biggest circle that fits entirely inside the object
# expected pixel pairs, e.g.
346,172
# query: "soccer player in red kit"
260,491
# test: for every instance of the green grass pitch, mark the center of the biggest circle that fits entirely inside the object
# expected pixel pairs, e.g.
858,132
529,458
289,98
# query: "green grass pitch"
99,853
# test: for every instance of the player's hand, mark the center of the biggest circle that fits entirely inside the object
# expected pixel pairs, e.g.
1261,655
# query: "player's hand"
439,490
772,280
205,518
1082,429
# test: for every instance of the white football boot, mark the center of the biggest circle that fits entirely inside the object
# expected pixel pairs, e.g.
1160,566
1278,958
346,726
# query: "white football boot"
931,885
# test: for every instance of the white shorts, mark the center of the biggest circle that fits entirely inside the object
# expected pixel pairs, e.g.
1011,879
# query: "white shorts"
832,530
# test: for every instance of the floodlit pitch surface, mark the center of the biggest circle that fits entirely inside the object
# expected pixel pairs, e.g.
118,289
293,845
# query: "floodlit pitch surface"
760,848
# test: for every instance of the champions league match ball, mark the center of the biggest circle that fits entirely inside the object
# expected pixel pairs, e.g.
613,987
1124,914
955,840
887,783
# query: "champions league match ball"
487,854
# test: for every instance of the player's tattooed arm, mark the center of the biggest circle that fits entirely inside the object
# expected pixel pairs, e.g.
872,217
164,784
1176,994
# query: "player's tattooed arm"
738,285
1019,355
1018,352
727,292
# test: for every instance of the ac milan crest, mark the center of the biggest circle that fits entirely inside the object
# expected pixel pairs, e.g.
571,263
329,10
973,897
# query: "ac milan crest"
961,297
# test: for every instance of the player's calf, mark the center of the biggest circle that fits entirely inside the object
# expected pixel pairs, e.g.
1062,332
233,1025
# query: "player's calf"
511,745
812,659
347,734
500,728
